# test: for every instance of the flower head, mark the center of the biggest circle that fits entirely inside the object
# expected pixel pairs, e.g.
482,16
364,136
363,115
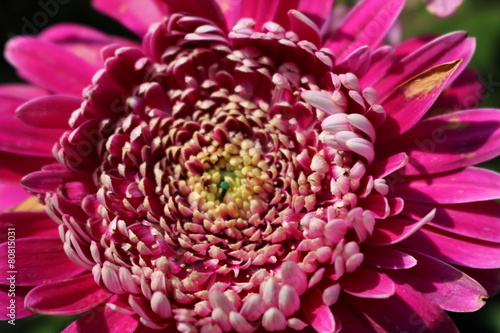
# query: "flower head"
243,169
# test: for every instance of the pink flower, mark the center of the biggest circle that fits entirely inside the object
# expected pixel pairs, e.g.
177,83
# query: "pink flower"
244,170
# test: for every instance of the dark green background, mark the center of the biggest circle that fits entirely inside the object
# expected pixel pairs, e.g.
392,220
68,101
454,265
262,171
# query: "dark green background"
481,18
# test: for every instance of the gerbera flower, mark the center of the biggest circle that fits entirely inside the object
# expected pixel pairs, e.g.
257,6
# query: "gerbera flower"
245,170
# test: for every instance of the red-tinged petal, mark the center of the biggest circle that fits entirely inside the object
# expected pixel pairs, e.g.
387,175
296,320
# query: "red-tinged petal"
38,260
319,315
450,141
102,318
368,283
49,111
443,8
381,60
11,195
27,224
377,204
51,67
410,101
445,285
488,278
357,62
137,15
208,9
366,24
387,258
441,50
14,166
67,297
467,185
351,320
304,27
231,11
385,167
318,11
476,219
392,231
454,248
12,301
22,91
412,44
406,311
261,11
17,137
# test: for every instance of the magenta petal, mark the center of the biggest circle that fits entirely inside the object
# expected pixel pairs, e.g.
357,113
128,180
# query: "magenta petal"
304,27
441,50
6,297
67,297
381,60
387,257
103,318
488,278
137,15
22,91
443,8
319,315
368,283
28,224
410,101
366,24
445,285
208,9
476,219
51,67
454,248
38,260
466,185
14,166
406,311
317,10
385,167
49,111
11,195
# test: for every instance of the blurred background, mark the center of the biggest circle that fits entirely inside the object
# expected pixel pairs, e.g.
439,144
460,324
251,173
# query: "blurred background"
481,18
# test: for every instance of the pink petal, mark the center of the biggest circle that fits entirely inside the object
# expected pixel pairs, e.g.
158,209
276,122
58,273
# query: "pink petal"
317,10
351,319
137,15
454,248
11,195
410,45
231,11
319,315
441,50
208,9
466,185
304,27
49,111
16,294
476,219
443,8
450,141
22,91
368,283
366,24
411,100
381,60
14,166
387,258
38,260
488,278
28,224
406,311
51,67
385,167
261,11
445,285
102,318
66,297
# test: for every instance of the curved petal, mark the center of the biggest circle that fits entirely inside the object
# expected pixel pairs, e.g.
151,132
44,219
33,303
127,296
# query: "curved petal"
28,224
208,9
385,257
16,311
49,111
22,91
317,10
319,315
443,8
14,166
38,260
368,283
466,185
66,297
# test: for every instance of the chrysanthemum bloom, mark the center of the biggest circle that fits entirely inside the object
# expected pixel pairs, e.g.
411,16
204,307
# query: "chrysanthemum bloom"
243,170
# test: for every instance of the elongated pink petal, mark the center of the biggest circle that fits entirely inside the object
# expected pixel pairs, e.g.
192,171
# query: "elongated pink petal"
368,283
16,310
14,166
351,320
381,60
366,24
387,258
104,318
411,100
52,67
231,11
476,219
488,278
49,111
445,285
67,297
11,195
27,224
454,248
466,185
441,50
38,260
385,167
443,8
304,27
450,141
319,315
317,10
208,9
137,15
408,310
22,91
